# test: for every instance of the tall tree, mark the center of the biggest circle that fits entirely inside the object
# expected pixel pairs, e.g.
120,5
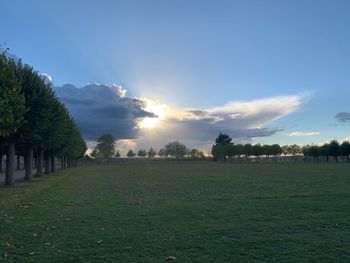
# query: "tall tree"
151,153
333,149
106,145
345,150
223,139
12,110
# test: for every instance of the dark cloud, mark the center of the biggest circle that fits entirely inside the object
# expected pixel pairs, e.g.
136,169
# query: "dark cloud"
343,116
99,109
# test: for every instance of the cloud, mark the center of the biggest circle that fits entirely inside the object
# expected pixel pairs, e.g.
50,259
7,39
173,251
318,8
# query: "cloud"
47,78
244,121
303,133
343,116
143,123
99,109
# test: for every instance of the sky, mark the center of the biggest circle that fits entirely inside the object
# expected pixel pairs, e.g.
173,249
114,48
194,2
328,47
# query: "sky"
154,71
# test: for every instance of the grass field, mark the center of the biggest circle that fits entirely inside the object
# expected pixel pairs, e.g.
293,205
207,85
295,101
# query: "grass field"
194,211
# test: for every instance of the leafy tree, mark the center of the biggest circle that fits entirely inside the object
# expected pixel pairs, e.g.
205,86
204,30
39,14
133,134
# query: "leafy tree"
285,150
151,153
333,149
105,145
324,151
223,139
130,154
12,110
314,151
247,150
175,149
117,154
294,150
258,150
345,150
194,153
34,120
162,152
222,147
142,153
276,149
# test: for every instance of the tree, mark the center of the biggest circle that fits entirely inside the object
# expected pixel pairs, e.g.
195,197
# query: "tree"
333,149
294,150
105,145
142,153
34,120
12,110
130,154
194,153
162,152
324,151
222,147
285,150
223,139
314,152
175,149
151,153
345,149
117,154
276,149
257,150
247,150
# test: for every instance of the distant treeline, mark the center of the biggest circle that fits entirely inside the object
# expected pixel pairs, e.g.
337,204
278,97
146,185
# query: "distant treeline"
224,149
33,122
105,149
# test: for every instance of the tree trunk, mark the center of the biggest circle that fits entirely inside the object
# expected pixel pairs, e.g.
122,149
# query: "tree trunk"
62,162
0,163
36,161
28,162
39,169
47,163
18,162
53,163
10,164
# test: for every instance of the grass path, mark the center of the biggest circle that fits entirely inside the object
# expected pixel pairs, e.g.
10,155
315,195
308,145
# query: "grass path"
197,212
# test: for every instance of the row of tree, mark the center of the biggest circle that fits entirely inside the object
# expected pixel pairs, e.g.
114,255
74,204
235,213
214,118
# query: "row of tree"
33,122
105,148
332,149
224,148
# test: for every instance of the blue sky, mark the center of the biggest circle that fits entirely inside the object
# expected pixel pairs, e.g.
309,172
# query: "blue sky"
197,54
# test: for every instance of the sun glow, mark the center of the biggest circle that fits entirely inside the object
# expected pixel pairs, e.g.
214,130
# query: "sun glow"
148,122
157,109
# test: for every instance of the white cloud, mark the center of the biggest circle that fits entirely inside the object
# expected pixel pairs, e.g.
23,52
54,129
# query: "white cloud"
199,127
47,78
303,133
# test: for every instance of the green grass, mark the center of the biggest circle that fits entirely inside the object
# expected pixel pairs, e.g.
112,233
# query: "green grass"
195,211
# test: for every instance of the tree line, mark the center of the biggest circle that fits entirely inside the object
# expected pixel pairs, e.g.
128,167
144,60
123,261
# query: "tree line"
34,123
224,148
105,148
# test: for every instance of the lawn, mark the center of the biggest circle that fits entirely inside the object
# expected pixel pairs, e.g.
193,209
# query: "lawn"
194,211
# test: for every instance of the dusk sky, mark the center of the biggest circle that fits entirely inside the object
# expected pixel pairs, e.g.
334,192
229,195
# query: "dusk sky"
262,71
